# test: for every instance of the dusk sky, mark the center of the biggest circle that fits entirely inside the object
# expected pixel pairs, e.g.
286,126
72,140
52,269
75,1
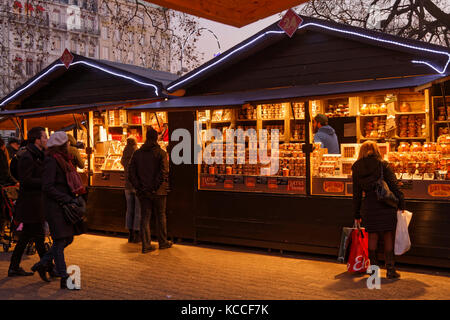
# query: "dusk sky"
228,36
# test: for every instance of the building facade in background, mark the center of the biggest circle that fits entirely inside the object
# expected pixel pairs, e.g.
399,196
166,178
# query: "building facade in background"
34,33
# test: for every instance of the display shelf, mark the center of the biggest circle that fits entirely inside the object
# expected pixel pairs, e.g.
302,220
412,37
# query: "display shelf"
246,120
410,112
279,119
383,138
413,138
442,121
221,121
374,115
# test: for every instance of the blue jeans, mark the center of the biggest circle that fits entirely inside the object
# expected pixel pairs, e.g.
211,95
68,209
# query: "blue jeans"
56,253
133,216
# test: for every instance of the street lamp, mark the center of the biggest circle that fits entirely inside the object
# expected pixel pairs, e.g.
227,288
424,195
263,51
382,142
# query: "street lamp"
183,46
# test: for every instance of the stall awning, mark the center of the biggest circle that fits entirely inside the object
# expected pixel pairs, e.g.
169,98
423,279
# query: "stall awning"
316,90
52,111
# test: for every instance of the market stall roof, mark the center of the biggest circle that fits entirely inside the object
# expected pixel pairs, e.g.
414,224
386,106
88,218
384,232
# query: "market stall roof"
232,12
315,90
37,112
86,81
164,77
319,51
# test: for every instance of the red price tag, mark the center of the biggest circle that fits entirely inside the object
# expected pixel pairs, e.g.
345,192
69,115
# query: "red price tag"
272,183
228,184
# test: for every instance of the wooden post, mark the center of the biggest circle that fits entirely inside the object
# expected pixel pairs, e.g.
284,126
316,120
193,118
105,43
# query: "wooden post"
25,128
428,121
90,146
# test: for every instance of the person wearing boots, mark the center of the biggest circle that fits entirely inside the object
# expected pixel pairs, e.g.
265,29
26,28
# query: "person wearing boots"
380,219
149,175
133,214
29,205
61,184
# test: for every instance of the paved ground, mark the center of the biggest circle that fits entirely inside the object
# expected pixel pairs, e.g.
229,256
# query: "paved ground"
114,269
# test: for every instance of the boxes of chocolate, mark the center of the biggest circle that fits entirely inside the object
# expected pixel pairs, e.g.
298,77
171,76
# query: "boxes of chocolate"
272,111
298,110
298,132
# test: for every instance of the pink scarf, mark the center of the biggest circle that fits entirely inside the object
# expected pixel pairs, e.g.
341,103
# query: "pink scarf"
72,176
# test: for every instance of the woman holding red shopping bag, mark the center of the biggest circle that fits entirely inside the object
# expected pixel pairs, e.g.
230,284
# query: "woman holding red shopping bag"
380,218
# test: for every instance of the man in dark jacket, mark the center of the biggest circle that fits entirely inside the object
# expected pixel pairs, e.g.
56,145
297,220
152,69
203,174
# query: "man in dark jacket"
29,206
148,172
325,134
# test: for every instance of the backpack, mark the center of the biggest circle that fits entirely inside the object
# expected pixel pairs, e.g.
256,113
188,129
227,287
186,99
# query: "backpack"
14,164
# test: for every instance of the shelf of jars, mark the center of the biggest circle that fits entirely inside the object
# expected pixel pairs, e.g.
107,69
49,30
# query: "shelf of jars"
423,169
392,116
441,116
256,177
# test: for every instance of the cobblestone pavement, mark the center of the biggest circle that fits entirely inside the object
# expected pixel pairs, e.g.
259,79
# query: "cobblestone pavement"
113,269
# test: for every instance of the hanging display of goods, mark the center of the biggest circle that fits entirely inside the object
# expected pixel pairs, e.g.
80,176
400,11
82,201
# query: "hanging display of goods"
383,108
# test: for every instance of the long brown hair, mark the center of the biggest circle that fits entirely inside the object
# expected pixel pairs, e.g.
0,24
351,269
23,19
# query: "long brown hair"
369,148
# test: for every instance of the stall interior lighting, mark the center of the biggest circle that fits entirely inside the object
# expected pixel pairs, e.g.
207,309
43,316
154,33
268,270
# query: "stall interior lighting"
447,54
79,62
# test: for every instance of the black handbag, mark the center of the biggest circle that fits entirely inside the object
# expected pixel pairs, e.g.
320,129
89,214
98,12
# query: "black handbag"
384,194
75,214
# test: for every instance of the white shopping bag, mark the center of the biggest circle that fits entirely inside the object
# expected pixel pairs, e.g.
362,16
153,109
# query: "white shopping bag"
402,241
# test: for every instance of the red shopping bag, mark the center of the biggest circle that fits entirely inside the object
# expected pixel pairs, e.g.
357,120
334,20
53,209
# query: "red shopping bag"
358,260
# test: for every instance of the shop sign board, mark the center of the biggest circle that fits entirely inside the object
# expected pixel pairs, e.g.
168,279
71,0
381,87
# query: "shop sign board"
333,186
290,22
439,190
296,185
208,181
66,58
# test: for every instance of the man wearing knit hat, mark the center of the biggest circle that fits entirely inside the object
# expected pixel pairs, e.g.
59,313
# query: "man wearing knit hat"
325,134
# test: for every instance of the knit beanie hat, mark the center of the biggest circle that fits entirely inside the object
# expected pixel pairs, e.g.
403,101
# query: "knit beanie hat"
57,139
322,119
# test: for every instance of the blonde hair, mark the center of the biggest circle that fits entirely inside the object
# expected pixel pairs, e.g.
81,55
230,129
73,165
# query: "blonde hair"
369,148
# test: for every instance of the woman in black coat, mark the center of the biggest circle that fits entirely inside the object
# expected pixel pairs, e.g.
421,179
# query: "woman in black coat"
56,193
380,219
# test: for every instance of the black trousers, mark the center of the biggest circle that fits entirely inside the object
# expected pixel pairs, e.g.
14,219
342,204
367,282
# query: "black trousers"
30,232
153,205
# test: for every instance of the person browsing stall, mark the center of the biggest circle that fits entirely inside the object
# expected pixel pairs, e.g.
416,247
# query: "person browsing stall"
149,175
380,219
325,134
